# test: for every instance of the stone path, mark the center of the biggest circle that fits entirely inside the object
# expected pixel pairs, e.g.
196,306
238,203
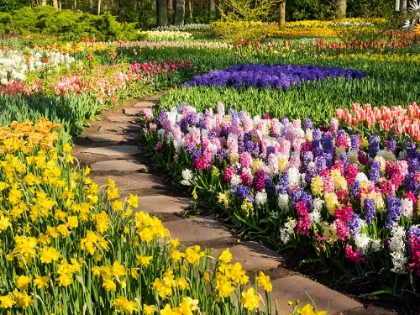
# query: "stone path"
112,149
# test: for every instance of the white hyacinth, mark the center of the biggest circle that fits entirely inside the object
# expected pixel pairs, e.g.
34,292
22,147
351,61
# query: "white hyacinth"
261,198
283,201
187,176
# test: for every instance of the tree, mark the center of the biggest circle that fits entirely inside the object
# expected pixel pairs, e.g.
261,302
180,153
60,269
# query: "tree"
170,10
179,12
162,12
212,9
340,9
282,7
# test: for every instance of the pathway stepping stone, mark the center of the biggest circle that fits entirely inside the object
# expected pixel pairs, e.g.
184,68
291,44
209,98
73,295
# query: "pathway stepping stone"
253,256
118,165
153,98
114,150
164,204
145,104
130,182
297,287
133,111
123,118
113,137
197,230
118,127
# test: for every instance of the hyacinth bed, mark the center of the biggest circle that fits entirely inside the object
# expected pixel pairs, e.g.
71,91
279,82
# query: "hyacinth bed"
270,76
348,201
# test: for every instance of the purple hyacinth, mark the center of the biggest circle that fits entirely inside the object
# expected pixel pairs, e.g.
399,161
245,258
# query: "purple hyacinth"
391,145
307,198
316,137
411,150
190,147
241,147
373,146
259,180
413,165
307,124
329,158
320,163
221,154
269,186
308,157
374,174
410,183
295,195
162,117
355,143
269,150
345,159
355,189
327,141
283,184
341,133
354,223
240,191
394,211
369,207
183,124
309,174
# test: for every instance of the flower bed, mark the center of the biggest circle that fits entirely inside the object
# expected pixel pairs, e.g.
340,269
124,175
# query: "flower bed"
270,76
71,247
342,199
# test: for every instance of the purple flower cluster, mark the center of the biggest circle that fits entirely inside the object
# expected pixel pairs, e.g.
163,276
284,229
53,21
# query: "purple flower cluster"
271,76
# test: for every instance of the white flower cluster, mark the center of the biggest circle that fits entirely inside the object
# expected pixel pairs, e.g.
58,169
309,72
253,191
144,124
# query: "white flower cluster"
410,24
187,176
166,35
287,230
397,248
13,65
185,27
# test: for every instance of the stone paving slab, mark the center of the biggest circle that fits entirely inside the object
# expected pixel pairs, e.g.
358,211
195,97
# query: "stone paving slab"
130,182
153,98
164,204
145,104
114,150
118,165
253,256
133,111
119,127
197,230
297,287
123,118
113,137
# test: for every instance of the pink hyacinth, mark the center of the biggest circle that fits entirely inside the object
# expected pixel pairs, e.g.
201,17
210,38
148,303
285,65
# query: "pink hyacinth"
353,255
329,184
304,222
152,127
246,179
208,158
229,172
351,173
158,146
148,113
177,133
220,109
414,245
232,144
338,165
199,164
334,125
284,148
341,141
247,123
196,135
245,159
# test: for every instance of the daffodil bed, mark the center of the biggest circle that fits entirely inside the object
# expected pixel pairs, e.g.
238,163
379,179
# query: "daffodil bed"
71,247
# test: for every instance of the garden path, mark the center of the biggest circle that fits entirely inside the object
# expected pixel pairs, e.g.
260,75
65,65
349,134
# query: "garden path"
111,147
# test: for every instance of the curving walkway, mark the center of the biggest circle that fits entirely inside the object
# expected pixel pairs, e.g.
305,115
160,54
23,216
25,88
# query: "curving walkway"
111,147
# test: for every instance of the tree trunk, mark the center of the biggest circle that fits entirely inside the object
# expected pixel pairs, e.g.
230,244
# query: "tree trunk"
190,5
403,7
212,9
340,9
99,7
282,21
179,12
162,12
55,4
170,10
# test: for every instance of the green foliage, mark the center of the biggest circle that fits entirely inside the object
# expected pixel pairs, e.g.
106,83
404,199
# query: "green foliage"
247,10
65,25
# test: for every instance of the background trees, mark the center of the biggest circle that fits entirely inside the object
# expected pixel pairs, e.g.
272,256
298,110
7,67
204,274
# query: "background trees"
151,13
